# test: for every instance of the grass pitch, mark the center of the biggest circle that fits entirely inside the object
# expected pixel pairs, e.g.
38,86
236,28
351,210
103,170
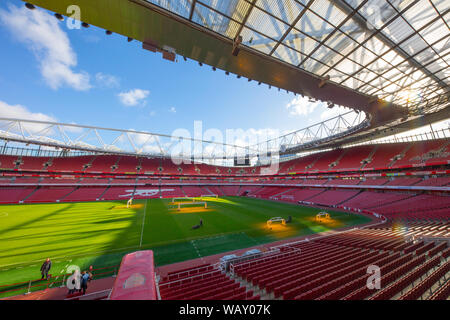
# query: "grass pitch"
100,233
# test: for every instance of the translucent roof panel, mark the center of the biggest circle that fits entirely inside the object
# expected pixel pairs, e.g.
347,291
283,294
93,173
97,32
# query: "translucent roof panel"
398,50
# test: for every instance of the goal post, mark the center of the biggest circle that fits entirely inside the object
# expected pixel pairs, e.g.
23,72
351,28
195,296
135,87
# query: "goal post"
276,220
209,196
174,200
322,215
189,204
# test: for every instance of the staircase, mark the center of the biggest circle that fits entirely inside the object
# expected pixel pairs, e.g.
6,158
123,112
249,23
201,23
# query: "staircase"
336,162
401,155
74,189
208,191
18,163
115,166
88,165
250,287
387,203
315,195
32,192
370,156
313,163
281,193
107,188
183,191
360,191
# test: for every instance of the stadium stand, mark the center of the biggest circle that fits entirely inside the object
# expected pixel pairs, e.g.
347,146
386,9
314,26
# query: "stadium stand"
390,184
407,246
335,267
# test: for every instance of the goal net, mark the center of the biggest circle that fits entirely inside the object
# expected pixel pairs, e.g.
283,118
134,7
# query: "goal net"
181,205
276,220
322,216
209,196
183,199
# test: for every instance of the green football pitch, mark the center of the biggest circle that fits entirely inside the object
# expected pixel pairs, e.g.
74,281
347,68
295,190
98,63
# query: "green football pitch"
100,233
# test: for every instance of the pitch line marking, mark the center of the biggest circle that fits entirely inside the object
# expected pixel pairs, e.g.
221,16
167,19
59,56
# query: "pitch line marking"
195,247
143,223
4,214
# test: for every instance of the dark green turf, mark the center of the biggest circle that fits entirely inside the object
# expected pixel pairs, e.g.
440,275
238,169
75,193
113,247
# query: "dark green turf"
99,233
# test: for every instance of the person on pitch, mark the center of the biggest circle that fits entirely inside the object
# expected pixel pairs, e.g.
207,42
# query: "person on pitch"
45,268
84,281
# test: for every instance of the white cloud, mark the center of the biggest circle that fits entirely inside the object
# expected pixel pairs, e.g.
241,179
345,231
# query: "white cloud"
107,80
301,106
42,34
152,113
133,97
21,112
173,110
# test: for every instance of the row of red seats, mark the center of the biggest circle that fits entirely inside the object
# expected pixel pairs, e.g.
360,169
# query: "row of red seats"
389,273
441,294
379,156
389,291
426,283
203,284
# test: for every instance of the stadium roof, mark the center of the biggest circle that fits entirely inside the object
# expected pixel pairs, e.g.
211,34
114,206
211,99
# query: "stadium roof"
387,58
395,50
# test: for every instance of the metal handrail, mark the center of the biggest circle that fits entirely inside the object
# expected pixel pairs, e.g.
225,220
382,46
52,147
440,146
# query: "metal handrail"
50,282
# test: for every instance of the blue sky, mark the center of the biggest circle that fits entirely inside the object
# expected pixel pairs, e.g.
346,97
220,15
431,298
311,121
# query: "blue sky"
86,77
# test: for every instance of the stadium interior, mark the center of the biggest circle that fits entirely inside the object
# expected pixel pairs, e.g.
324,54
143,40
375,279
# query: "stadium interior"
385,200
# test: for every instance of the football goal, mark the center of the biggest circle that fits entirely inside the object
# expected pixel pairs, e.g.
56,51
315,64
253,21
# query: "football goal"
183,199
209,196
322,216
276,220
189,204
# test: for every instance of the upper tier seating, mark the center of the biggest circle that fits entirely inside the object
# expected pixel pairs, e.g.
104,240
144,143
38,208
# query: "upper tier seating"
384,155
352,158
103,164
8,162
33,163
380,156
418,151
128,164
69,164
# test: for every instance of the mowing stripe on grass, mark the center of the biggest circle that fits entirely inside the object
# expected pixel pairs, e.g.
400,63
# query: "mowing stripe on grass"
74,256
105,235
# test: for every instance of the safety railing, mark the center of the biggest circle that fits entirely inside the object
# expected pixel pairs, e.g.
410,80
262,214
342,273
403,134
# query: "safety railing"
58,281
